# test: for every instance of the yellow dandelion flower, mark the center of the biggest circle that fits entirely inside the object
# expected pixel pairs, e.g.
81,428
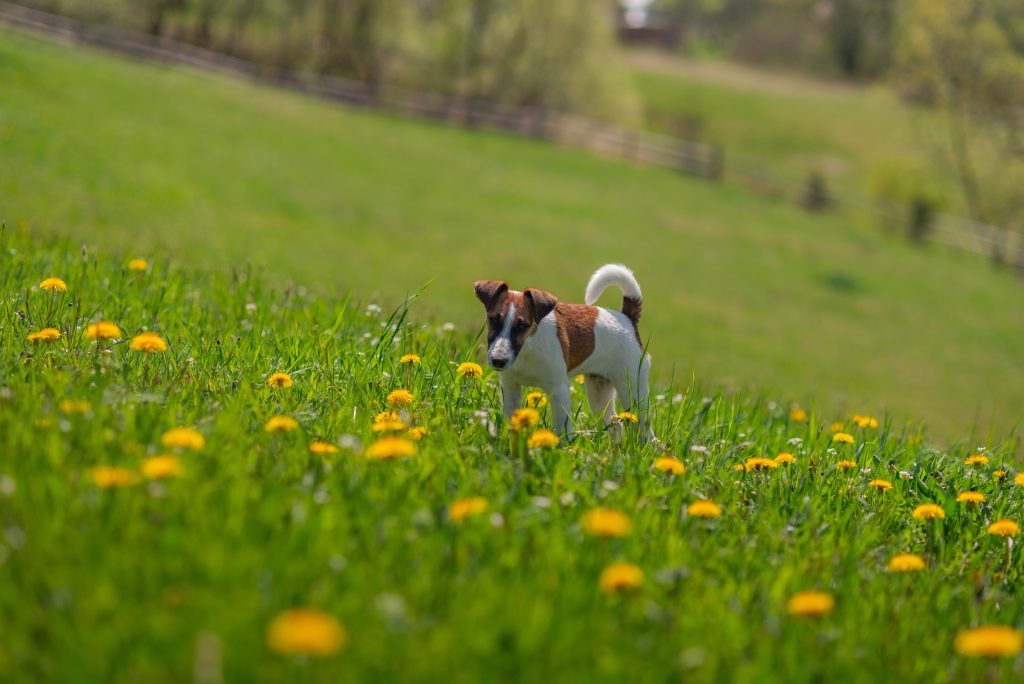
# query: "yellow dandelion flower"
837,426
542,439
470,370
321,448
279,380
798,414
400,397
159,467
303,631
536,400
843,438
669,464
621,577
704,509
281,424
138,264
411,359
1018,479
1004,528
976,460
906,562
391,447
760,463
460,509
739,468
183,438
880,485
625,416
44,335
53,285
387,426
387,417
928,511
524,419
580,379
970,497
148,342
417,433
69,406
103,330
846,465
785,458
810,604
999,474
110,476
989,641
606,522
865,422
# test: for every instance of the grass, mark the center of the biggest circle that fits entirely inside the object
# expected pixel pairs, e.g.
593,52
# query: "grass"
741,291
163,580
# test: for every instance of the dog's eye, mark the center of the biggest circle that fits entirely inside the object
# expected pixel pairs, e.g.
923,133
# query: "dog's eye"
520,325
494,319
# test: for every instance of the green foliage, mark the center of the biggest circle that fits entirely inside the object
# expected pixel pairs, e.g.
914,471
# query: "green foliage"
162,579
967,57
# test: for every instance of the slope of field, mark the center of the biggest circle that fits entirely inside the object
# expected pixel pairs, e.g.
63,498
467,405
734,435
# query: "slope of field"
134,551
789,126
740,290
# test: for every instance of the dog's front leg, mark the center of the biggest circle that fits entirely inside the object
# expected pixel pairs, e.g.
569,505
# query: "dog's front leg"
511,395
561,406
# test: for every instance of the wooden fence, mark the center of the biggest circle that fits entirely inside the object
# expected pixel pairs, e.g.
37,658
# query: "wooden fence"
694,158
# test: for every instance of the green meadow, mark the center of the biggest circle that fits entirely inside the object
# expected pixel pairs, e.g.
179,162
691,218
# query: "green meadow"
742,291
174,509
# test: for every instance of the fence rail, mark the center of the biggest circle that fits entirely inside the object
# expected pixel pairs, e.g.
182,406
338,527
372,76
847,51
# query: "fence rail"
644,147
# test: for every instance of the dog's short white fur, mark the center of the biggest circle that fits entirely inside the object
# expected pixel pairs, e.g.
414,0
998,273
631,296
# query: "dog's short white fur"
617,366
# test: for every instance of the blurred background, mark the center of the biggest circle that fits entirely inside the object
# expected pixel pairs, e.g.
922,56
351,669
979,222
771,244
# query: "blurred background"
821,198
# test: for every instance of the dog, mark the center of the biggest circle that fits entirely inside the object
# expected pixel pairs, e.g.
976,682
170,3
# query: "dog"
535,340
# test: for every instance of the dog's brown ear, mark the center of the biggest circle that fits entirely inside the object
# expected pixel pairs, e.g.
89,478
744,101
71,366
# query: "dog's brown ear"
539,302
490,292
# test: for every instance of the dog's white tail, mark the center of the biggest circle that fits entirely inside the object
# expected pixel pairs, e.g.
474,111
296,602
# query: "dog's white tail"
621,277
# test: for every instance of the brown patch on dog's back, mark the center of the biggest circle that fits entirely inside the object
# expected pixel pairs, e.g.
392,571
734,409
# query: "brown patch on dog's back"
575,326
633,308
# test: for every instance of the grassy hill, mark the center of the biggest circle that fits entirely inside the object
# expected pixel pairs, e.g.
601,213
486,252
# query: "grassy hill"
166,508
789,126
741,290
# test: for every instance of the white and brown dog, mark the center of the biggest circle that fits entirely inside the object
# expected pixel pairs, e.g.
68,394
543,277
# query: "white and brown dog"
535,340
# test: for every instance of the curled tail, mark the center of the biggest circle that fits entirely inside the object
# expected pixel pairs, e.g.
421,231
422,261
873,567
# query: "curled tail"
621,277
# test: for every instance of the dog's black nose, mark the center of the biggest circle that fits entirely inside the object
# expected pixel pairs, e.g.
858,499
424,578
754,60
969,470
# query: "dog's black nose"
499,363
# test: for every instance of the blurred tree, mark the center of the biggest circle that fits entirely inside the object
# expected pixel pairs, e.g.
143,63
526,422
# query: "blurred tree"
967,57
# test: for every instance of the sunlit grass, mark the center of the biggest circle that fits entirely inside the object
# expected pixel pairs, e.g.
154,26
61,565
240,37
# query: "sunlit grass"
155,527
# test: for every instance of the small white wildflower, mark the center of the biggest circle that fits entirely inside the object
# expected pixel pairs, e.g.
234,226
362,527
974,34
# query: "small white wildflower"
772,406
448,327
337,563
542,502
7,485
567,498
350,443
497,520
610,486
906,475
795,441
658,398
251,307
699,448
372,309
832,451
677,398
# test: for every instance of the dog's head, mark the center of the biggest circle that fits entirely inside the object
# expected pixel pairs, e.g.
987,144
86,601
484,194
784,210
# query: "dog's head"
511,318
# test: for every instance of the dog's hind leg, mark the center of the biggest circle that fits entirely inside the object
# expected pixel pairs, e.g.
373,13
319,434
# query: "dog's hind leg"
601,397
